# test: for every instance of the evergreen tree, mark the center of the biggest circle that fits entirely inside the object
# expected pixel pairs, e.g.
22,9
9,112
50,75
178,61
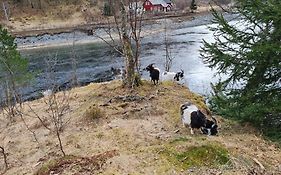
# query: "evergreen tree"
248,51
13,70
193,6
107,9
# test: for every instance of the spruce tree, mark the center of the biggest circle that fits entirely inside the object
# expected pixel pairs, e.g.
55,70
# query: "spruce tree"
248,51
13,71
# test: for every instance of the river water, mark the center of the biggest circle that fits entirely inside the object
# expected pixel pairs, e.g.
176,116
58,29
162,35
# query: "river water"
95,59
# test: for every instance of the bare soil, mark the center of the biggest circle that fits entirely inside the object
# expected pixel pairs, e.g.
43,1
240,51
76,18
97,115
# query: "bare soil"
114,130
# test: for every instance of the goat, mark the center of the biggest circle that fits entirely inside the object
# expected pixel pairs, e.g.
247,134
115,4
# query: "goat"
119,74
47,92
173,76
154,73
191,116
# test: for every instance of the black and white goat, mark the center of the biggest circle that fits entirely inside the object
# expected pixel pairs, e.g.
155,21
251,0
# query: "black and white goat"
154,73
118,73
173,76
193,118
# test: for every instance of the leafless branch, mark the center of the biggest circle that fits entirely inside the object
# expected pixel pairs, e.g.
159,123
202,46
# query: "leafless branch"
36,115
109,44
58,104
2,151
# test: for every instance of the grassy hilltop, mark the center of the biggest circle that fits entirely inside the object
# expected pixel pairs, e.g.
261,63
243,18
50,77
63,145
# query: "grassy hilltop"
112,132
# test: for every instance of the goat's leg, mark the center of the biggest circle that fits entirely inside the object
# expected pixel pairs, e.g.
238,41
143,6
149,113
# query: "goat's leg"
191,131
209,132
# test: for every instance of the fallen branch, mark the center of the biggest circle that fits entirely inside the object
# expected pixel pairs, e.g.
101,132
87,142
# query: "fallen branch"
257,162
2,150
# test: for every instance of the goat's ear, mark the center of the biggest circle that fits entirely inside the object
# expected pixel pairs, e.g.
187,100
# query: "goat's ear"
200,112
182,71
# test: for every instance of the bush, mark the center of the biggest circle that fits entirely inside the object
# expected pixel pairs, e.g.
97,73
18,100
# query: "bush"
93,113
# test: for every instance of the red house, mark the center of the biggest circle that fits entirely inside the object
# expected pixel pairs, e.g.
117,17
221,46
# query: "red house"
157,5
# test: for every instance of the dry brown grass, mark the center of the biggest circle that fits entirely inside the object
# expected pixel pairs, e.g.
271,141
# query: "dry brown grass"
141,125
93,113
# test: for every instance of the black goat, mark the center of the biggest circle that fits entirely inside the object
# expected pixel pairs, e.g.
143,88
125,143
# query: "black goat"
154,73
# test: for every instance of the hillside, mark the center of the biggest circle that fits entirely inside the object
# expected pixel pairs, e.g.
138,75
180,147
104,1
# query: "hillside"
46,16
112,130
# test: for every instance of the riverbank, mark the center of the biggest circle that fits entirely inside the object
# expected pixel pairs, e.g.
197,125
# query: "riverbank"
32,27
124,131
78,37
57,35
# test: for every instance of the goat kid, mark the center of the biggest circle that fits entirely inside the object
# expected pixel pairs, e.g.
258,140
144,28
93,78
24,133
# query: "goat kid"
173,76
154,73
193,118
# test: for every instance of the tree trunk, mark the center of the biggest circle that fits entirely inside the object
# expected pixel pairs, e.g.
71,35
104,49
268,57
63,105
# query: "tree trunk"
5,11
127,48
129,60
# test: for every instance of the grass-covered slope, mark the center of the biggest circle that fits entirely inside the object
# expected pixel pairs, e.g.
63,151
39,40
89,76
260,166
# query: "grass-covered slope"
113,130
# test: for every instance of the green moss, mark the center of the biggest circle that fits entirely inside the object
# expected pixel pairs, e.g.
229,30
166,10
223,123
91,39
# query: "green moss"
209,155
179,139
46,167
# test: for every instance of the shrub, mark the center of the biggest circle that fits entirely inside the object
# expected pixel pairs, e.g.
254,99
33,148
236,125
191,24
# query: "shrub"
93,113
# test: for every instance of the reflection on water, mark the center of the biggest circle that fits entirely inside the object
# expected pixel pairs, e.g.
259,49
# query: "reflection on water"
93,62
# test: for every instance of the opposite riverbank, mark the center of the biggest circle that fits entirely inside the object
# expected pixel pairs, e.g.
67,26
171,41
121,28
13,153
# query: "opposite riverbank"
32,27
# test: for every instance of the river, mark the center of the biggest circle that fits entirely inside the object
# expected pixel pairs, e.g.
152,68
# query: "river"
94,58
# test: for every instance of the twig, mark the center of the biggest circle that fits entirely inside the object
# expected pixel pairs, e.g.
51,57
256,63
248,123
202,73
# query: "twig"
258,162
5,158
37,116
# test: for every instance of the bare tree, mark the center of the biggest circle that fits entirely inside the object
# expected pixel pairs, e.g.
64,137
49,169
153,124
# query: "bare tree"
127,25
6,10
168,56
73,57
135,18
58,103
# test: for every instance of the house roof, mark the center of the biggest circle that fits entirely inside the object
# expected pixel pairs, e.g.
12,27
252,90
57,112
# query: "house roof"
167,1
155,2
